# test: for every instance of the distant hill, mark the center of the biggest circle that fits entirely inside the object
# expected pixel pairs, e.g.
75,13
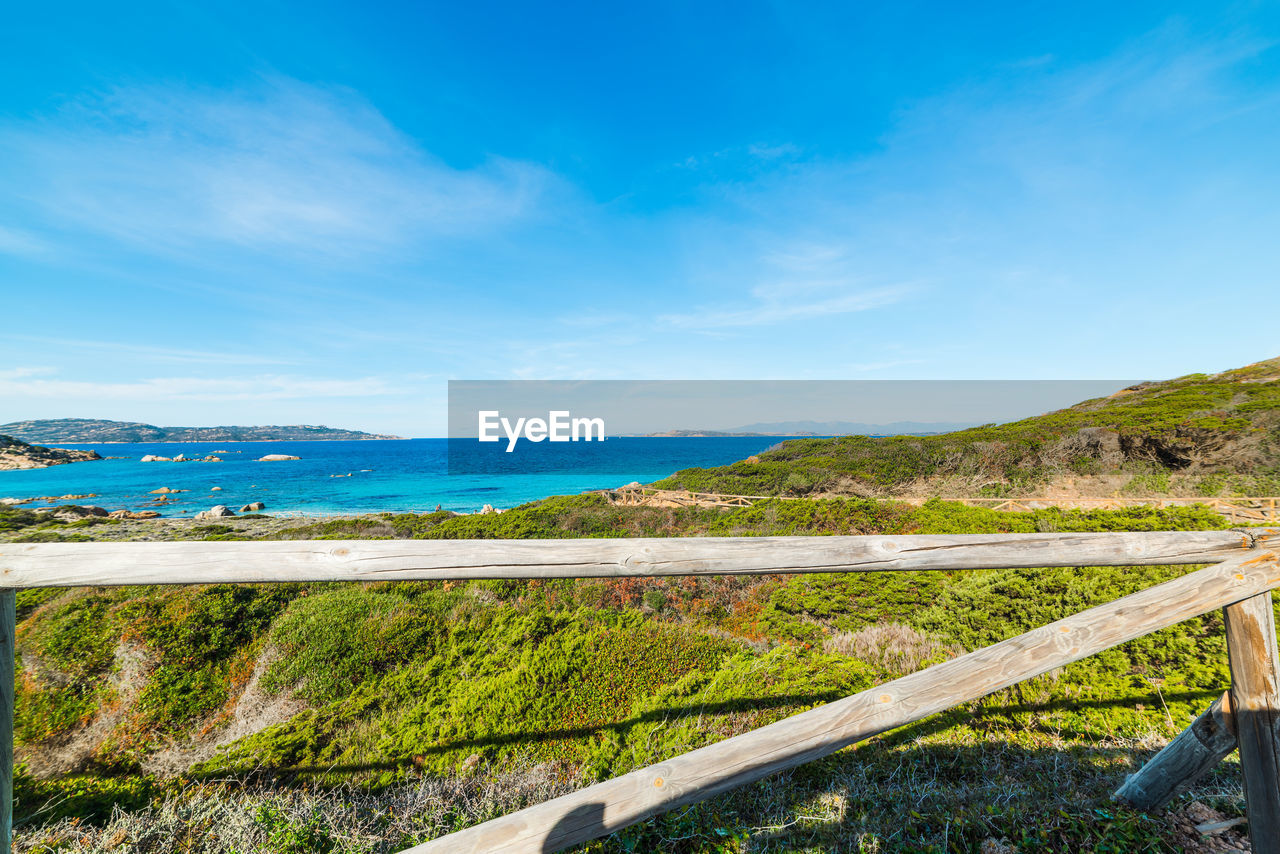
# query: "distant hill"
1198,435
711,434
17,454
850,428
818,428
96,430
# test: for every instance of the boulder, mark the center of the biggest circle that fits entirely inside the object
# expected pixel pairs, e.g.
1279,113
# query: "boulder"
215,489
75,512
165,490
271,458
152,458
253,507
130,514
487,509
219,511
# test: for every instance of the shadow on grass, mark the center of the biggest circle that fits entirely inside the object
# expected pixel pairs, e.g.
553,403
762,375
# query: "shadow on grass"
910,796
920,729
938,798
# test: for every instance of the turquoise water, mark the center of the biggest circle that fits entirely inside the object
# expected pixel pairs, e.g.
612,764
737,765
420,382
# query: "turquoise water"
364,477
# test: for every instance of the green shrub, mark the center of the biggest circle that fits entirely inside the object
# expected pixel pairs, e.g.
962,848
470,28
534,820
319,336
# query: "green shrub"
329,643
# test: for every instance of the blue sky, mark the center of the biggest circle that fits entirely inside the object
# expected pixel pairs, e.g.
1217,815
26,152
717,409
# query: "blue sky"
321,212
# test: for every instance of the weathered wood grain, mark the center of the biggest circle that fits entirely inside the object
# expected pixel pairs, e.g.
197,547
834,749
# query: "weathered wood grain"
8,623
70,564
1255,703
605,807
1196,750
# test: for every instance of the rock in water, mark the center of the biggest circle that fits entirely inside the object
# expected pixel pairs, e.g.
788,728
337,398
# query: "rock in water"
271,458
219,511
253,507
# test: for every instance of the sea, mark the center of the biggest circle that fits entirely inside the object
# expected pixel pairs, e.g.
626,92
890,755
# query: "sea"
370,476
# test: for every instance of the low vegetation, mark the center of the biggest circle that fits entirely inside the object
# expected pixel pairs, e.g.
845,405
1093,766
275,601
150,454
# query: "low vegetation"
460,689
366,718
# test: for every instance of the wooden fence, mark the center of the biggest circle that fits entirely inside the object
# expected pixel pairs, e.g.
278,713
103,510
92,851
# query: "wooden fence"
1244,568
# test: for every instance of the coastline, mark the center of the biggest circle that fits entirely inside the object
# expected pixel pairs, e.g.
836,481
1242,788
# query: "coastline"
62,442
366,476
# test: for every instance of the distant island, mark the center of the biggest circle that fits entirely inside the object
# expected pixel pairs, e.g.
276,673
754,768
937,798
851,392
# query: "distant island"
97,430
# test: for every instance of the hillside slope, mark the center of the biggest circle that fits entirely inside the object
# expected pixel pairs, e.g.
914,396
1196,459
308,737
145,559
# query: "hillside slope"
1196,435
475,695
97,430
17,454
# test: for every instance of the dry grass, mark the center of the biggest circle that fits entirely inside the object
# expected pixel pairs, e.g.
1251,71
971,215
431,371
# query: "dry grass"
234,818
897,648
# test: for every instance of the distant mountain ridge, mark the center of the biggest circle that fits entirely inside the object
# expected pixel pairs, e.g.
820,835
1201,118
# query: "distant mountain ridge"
852,428
822,428
98,430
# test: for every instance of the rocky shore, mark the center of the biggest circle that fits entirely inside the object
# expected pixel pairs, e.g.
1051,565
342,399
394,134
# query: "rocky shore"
79,523
17,454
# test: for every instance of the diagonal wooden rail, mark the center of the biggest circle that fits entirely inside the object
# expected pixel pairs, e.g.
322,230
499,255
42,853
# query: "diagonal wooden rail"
617,803
1245,568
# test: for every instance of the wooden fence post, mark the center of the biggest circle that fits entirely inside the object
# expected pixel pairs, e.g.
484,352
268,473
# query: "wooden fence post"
1255,704
1196,750
8,599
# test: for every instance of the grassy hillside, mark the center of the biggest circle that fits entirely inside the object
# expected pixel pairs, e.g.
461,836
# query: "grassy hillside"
367,717
1197,435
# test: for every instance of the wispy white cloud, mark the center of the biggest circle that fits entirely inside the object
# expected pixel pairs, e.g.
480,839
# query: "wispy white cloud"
871,367
15,241
24,371
765,151
782,302
285,166
149,352
801,279
593,318
254,388
756,153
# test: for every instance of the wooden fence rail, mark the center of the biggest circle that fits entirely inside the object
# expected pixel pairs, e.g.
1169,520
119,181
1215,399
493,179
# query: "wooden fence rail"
95,564
1245,568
